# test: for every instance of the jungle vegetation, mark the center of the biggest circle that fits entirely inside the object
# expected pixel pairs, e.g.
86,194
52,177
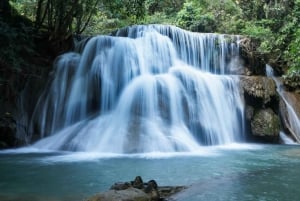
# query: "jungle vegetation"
274,25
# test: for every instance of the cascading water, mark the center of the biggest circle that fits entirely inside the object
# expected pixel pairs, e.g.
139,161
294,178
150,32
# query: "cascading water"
292,117
146,89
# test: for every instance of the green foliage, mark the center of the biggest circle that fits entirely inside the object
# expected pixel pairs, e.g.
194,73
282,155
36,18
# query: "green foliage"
256,31
292,55
189,14
131,10
158,18
25,7
15,44
209,16
252,10
205,23
273,23
167,7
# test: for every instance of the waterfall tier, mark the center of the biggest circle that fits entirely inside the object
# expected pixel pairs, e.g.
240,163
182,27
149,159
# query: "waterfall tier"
148,88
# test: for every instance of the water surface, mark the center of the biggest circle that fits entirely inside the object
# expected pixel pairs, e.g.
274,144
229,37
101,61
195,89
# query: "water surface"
237,172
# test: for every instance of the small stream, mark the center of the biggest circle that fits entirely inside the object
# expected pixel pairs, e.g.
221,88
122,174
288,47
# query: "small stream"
233,172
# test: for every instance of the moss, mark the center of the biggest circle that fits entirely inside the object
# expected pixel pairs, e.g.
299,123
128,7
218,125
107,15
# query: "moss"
265,123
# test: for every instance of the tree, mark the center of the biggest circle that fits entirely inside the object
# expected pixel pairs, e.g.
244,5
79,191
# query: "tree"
5,9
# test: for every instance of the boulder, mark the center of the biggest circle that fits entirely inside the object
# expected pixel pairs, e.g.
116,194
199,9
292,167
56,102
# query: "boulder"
152,190
258,90
138,183
137,191
265,123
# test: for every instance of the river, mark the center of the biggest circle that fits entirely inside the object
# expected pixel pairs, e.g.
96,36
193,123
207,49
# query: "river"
231,172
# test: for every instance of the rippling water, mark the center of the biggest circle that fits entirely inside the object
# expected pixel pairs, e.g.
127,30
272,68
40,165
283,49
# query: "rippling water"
236,172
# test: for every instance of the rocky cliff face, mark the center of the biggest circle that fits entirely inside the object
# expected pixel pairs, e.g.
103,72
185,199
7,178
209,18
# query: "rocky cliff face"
261,102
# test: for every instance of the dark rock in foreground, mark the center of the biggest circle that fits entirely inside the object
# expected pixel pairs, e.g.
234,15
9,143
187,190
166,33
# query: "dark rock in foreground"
7,132
136,190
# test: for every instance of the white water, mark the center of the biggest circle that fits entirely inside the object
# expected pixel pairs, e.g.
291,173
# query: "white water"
294,121
286,139
161,89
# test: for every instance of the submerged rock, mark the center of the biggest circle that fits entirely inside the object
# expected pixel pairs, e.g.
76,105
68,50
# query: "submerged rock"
137,191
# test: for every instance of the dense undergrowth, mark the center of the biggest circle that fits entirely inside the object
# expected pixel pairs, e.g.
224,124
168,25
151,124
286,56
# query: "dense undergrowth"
273,24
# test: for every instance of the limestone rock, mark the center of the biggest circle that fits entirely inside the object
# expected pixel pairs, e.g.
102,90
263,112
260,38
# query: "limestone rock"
265,123
258,88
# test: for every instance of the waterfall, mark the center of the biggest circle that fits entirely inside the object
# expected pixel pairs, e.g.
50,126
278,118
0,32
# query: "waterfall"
285,139
292,117
151,88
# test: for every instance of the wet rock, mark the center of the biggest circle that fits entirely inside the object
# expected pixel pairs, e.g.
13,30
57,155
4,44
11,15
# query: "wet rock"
137,191
265,123
166,191
249,112
138,183
254,61
120,186
130,194
152,191
258,90
261,108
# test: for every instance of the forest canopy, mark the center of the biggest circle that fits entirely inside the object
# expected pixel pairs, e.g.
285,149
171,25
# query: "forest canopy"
273,24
